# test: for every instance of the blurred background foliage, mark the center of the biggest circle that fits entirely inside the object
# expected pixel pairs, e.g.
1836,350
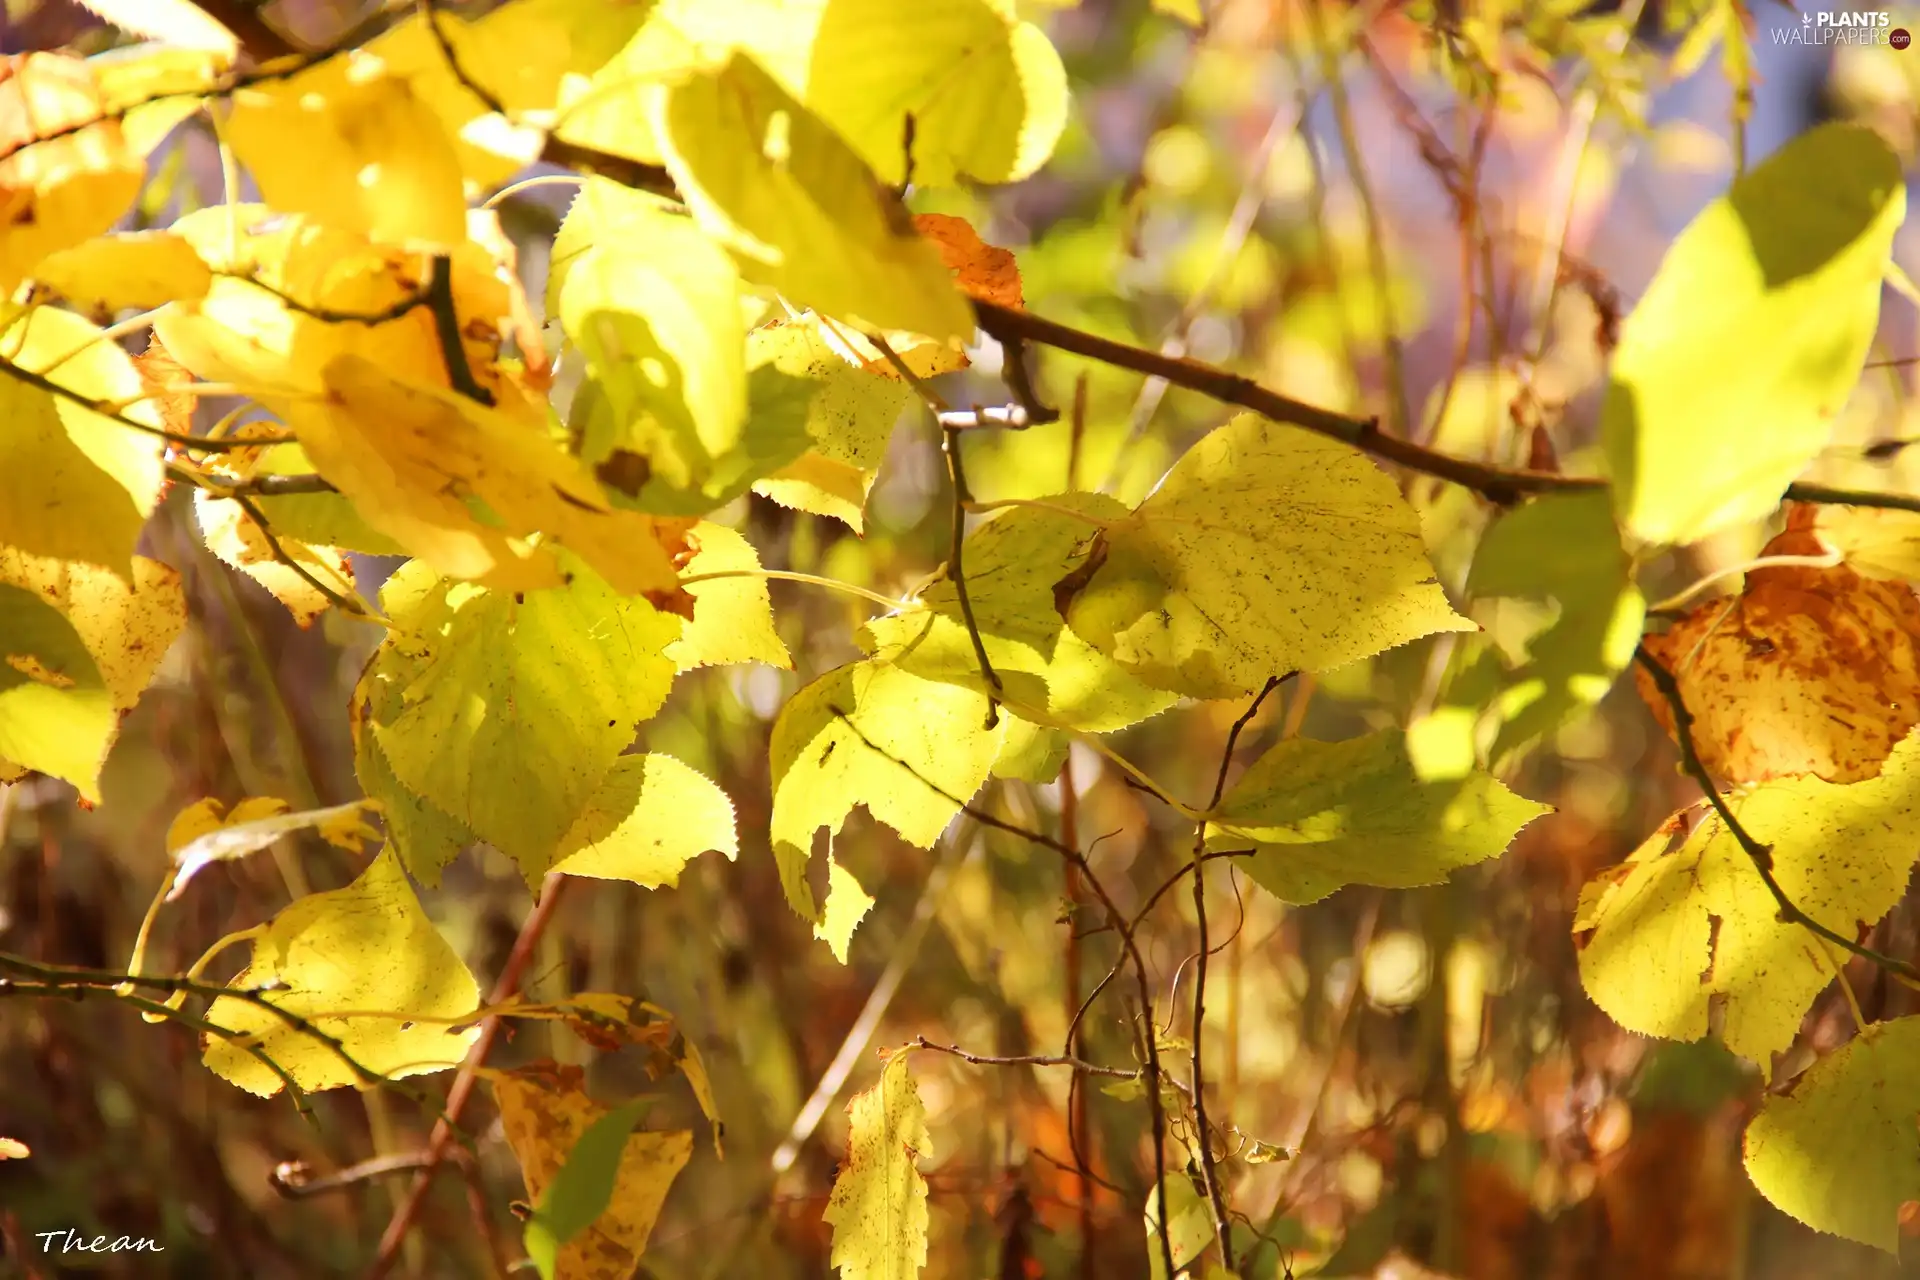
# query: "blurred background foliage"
1436,212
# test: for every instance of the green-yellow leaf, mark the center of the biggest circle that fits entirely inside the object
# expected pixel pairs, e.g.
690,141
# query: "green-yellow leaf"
1741,353
1671,931
846,906
426,837
1047,672
1031,753
74,485
878,1209
1563,547
1189,1224
911,750
732,617
654,305
361,964
514,705
1840,1150
1323,815
801,212
1266,549
651,816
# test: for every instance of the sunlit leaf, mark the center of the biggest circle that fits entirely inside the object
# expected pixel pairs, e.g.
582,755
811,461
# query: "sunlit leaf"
546,1115
362,965
201,835
801,212
1046,670
177,22
515,705
878,1209
140,269
650,816
1265,550
1685,923
1323,815
1738,357
1839,1150
1188,1224
911,750
732,617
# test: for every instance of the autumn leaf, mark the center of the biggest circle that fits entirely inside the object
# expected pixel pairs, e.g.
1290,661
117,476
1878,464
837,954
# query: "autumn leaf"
984,272
878,1209
1809,670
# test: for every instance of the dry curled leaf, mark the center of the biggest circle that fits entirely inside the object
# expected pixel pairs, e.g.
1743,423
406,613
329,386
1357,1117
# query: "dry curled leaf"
1809,670
984,272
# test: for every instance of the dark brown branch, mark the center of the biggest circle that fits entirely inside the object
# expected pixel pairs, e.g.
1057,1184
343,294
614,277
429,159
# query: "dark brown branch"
446,327
1761,855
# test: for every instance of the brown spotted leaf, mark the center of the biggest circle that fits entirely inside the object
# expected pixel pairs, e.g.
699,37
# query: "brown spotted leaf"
1809,670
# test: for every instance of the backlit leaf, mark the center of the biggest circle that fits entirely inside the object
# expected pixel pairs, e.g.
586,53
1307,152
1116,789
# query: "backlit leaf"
1323,815
650,816
732,617
361,964
1265,550
1840,1150
514,706
1047,672
1809,670
910,750
1740,354
140,269
1686,922
878,1209
800,211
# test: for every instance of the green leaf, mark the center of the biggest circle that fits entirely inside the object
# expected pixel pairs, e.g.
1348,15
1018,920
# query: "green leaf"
1031,753
1672,931
910,750
878,1209
582,1189
650,817
1734,365
654,305
1840,1150
1562,547
1323,815
369,949
1265,550
801,212
1047,672
425,837
1189,1224
514,705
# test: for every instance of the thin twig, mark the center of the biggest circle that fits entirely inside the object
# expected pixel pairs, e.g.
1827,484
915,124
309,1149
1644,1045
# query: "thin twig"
353,608
443,1130
1080,1065
446,327
294,1180
1761,855
956,570
1209,1175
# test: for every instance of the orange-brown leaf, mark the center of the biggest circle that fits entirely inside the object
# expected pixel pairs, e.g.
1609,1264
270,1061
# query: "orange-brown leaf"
984,272
1809,670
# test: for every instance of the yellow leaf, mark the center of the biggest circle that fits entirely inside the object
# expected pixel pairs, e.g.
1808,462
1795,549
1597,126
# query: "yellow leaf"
732,617
986,92
353,147
133,269
122,634
1265,550
846,906
878,1209
66,189
544,1113
361,964
74,485
410,456
823,486
340,284
237,539
650,817
13,1149
253,825
801,212
911,750
1685,924
176,22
